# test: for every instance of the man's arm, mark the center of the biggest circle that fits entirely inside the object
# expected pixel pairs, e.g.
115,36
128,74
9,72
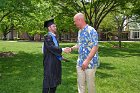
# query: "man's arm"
74,47
89,57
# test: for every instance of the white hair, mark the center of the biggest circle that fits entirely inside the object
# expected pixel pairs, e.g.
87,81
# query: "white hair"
80,15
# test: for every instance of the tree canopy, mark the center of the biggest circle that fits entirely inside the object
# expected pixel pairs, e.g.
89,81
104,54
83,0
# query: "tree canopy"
29,15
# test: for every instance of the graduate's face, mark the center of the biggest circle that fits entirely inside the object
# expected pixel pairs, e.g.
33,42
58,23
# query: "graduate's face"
53,28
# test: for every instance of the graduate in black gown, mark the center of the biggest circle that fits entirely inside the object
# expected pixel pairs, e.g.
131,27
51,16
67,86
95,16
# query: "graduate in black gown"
51,59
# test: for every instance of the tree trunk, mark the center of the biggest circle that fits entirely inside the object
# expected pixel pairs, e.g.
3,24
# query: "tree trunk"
31,38
4,36
119,37
60,39
11,35
5,33
40,37
12,32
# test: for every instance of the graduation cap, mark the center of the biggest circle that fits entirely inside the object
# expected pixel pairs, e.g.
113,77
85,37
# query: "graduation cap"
48,23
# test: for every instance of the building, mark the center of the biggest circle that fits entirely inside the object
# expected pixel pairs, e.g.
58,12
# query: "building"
134,29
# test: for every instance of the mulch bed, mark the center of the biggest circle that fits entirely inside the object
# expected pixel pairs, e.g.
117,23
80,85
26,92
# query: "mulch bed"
7,54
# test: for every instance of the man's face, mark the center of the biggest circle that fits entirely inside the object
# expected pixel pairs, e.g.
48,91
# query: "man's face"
53,28
77,22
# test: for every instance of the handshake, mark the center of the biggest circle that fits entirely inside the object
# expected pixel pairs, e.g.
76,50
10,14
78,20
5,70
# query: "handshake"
67,49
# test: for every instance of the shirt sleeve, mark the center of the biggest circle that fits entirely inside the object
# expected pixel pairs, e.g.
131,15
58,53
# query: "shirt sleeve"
94,37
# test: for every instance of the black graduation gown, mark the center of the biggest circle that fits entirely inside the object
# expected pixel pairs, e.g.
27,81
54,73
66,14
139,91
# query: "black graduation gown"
52,66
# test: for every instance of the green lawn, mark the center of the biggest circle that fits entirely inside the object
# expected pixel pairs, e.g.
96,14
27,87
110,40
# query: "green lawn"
119,70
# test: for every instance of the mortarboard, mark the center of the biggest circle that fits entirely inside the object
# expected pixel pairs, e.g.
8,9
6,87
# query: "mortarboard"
48,23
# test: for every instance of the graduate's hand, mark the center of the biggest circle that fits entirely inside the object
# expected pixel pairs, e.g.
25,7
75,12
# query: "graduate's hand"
67,50
65,60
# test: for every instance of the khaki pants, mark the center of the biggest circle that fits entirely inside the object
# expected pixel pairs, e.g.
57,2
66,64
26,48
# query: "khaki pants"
86,78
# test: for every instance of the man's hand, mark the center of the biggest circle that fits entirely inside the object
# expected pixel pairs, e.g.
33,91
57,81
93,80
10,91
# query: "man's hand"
67,50
84,65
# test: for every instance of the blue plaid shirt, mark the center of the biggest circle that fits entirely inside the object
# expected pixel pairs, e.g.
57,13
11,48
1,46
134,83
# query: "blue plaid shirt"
87,38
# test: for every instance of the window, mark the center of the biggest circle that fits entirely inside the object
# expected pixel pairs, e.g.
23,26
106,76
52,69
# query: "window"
136,35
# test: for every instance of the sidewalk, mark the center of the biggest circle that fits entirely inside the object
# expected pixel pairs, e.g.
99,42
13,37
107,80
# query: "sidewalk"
118,41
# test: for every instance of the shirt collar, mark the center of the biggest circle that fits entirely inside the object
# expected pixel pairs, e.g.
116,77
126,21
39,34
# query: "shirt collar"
52,33
84,28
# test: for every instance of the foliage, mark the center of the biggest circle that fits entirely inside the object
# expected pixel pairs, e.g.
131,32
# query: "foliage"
108,24
123,16
65,24
29,15
25,15
136,8
95,10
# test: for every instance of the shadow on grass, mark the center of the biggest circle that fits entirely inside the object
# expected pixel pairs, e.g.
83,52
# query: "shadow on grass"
128,49
103,75
69,75
104,66
23,73
106,49
115,52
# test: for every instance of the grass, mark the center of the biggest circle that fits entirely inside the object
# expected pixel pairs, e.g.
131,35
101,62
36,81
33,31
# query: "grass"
119,70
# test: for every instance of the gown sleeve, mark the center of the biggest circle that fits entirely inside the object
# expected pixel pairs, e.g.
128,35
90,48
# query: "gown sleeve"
50,46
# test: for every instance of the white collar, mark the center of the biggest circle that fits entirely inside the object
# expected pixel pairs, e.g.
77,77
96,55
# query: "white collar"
52,33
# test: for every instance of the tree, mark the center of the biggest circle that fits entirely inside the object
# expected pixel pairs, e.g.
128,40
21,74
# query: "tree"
8,10
95,10
23,15
123,16
136,7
